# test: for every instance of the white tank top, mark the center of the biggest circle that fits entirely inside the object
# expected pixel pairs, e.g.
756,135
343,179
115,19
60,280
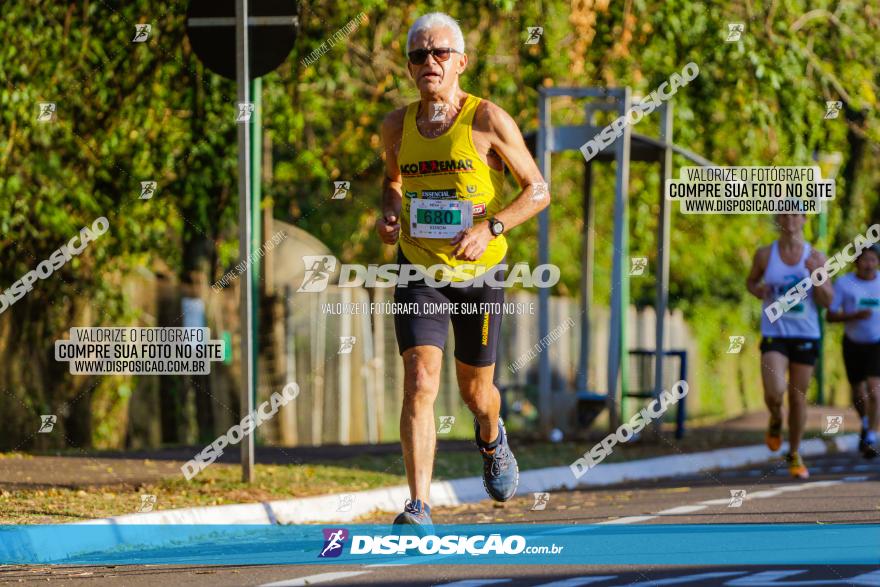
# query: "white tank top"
802,320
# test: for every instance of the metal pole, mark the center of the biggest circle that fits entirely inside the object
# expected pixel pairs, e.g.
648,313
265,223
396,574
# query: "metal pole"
256,167
663,236
542,150
256,198
820,368
587,254
616,338
245,223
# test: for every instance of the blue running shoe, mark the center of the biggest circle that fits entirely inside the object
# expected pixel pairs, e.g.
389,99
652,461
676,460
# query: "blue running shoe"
417,515
869,449
500,471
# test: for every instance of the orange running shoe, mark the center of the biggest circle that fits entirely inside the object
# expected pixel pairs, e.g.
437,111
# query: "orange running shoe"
796,466
774,435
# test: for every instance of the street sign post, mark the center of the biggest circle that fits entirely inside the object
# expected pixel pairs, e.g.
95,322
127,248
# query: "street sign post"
243,40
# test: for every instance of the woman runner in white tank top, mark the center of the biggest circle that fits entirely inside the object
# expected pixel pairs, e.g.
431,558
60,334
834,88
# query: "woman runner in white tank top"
790,342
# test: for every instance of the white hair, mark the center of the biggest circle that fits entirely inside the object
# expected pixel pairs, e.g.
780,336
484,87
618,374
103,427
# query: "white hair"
434,20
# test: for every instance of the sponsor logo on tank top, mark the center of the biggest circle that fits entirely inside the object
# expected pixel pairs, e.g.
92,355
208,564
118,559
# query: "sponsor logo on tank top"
438,194
479,210
436,167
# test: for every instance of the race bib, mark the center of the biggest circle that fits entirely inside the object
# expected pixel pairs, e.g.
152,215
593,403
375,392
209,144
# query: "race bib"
439,218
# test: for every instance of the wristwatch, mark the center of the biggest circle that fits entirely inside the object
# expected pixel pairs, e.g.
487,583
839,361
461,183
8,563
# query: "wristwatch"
496,227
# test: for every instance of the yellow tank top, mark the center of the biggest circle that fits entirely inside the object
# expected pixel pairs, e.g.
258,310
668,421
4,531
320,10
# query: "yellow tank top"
447,167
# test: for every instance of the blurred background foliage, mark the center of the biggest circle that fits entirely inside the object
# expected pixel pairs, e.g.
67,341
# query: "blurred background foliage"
130,112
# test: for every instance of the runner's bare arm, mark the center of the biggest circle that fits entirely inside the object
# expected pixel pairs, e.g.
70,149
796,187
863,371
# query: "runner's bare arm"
507,141
759,265
822,294
388,223
841,316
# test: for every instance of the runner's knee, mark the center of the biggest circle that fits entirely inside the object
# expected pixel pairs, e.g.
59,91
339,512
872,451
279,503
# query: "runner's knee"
421,378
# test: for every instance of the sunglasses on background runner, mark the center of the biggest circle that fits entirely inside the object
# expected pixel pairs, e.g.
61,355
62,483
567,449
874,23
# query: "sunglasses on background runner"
419,56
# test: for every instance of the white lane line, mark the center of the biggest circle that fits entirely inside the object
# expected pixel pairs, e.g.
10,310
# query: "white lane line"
682,509
686,509
577,581
722,501
313,579
770,578
872,578
685,579
571,530
474,582
628,520
775,492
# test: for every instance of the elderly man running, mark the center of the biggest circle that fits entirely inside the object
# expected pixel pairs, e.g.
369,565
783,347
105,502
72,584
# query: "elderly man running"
445,157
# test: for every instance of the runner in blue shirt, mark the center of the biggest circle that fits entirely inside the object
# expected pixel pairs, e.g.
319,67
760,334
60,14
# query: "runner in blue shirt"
857,304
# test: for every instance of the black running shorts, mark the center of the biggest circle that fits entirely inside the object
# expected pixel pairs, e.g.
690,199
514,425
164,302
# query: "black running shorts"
476,333
798,350
862,360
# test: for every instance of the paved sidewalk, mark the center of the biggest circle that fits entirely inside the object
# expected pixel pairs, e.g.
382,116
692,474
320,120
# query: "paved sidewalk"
84,469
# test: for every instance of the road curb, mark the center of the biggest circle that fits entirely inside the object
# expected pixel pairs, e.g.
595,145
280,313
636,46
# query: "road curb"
326,508
130,530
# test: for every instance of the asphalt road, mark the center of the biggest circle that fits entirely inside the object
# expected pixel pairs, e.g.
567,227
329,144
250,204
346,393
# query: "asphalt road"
843,489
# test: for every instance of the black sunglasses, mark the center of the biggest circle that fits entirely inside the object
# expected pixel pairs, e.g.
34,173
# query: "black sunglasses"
419,56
